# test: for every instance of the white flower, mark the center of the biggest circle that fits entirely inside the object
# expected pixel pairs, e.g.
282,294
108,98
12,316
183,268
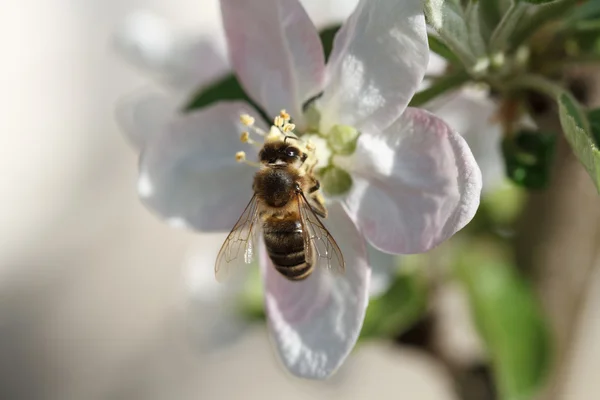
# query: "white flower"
403,179
473,114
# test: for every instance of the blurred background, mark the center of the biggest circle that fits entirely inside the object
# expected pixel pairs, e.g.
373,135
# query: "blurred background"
101,300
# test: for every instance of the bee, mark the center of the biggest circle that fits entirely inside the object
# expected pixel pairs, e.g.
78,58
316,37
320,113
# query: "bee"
286,207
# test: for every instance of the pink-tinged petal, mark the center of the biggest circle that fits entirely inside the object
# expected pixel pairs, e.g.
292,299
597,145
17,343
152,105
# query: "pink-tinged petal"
415,184
275,51
378,61
472,114
184,62
143,115
189,175
315,323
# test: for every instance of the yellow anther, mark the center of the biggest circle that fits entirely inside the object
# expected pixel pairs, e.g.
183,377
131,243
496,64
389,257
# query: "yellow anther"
288,127
310,146
240,156
246,120
278,121
245,137
283,114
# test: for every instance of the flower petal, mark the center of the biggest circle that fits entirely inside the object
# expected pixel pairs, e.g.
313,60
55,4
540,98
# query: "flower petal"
184,62
471,113
143,115
189,175
415,184
384,267
316,322
276,52
379,58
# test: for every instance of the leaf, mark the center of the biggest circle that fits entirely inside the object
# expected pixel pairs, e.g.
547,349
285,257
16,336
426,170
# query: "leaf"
489,17
398,309
439,48
537,17
578,132
327,36
509,320
447,18
439,86
499,42
528,157
586,10
594,118
476,42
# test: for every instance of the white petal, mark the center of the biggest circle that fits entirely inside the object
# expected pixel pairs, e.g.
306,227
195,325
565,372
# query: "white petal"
415,184
472,115
145,39
142,115
184,62
379,58
189,171
276,52
384,267
316,322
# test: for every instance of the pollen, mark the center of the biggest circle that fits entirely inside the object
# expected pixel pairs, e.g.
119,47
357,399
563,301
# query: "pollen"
245,137
278,121
240,156
310,146
246,120
283,114
288,127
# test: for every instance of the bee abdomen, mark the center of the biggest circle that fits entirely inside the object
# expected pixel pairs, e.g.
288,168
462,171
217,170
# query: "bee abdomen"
285,246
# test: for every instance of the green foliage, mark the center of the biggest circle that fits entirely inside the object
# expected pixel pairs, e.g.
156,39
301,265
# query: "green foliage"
439,48
398,309
579,135
594,118
528,157
227,88
449,20
440,86
490,15
509,321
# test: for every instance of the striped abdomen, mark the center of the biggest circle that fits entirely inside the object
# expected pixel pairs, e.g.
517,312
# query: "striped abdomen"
285,246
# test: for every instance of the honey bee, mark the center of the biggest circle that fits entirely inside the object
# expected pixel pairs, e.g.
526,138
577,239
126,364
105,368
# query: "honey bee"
286,207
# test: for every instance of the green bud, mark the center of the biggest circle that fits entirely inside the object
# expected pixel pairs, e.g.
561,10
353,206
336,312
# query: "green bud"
335,181
342,139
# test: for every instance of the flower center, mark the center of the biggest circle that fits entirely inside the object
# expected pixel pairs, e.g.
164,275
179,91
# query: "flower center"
323,147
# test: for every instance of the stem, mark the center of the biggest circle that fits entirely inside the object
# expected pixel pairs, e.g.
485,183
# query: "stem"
442,85
537,83
507,26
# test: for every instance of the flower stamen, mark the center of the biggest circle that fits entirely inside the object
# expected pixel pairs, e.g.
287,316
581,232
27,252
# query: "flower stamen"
240,157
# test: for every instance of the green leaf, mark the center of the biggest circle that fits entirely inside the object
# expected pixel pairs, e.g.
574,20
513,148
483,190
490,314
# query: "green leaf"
536,1
440,86
439,48
227,88
594,118
587,10
578,132
327,35
509,320
398,309
537,17
489,17
528,157
448,19
499,42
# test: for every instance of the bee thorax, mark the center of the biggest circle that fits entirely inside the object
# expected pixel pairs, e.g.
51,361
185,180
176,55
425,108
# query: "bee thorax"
275,186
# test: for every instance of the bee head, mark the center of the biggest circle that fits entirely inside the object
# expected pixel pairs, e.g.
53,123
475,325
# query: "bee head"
281,153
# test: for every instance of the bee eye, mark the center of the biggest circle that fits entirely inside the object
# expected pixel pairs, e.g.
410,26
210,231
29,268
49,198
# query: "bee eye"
291,152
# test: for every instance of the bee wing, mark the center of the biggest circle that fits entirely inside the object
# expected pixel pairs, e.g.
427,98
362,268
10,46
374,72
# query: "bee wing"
238,248
320,248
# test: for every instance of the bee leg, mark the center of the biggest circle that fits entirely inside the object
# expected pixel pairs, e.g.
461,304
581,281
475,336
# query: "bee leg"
318,204
316,187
